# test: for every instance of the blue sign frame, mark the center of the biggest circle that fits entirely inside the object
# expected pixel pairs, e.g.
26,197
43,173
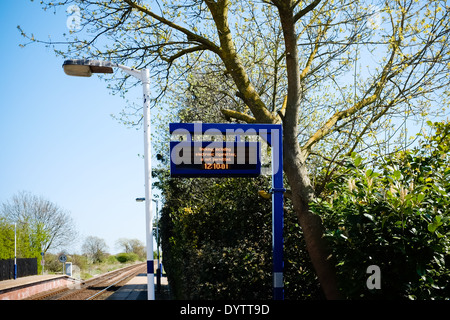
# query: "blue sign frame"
273,135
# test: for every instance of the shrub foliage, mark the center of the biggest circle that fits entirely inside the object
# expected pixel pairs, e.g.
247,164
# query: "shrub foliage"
394,215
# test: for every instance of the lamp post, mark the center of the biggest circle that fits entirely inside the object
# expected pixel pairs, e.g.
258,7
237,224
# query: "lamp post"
85,68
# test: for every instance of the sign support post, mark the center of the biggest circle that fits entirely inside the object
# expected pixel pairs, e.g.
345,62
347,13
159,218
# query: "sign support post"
197,167
277,215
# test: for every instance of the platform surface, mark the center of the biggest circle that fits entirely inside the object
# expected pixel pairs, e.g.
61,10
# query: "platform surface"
136,289
25,281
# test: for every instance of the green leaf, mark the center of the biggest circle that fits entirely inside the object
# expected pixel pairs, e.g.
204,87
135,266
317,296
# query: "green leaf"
420,197
397,174
432,227
358,161
435,224
447,171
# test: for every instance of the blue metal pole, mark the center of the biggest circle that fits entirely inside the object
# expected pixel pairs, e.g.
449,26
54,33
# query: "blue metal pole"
15,251
277,212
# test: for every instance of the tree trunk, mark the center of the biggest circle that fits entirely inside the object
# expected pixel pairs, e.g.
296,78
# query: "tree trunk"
310,223
294,164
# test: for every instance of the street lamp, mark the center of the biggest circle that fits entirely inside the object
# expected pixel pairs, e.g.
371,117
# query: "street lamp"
85,68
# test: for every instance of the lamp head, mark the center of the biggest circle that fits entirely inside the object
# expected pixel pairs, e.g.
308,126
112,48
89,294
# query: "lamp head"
85,67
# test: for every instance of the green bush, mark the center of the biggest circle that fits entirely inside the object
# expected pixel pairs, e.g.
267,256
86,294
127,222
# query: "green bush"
79,260
217,241
216,238
395,215
111,259
52,265
126,257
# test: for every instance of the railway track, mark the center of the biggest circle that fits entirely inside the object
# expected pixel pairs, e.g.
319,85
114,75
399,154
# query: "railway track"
97,288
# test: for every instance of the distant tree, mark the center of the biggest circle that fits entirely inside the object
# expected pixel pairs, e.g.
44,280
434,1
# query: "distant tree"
50,226
131,246
94,248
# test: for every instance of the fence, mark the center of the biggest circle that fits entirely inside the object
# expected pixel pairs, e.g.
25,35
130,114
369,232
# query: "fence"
25,267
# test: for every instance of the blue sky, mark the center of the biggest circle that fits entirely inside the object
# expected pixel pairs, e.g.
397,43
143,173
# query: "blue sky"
57,137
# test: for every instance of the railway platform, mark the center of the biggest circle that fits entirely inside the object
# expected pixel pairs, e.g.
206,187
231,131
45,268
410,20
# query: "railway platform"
24,287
